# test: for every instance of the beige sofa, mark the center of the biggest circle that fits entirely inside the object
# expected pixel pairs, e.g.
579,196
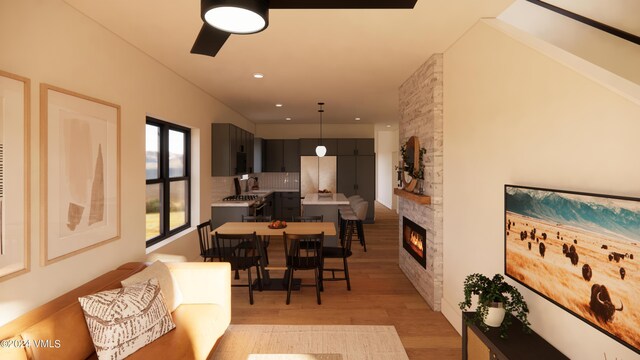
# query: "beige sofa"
201,319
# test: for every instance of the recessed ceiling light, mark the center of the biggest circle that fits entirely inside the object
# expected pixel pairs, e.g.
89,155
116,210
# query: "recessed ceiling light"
258,75
288,119
279,105
388,125
357,119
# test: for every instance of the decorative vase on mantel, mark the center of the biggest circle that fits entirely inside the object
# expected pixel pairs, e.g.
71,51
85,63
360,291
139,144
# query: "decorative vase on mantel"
420,187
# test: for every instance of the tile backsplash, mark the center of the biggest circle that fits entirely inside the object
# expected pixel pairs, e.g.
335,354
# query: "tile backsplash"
285,181
222,186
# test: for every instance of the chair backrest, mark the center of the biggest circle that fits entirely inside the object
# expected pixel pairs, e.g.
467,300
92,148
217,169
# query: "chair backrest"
204,235
314,218
354,199
233,248
265,218
361,210
303,251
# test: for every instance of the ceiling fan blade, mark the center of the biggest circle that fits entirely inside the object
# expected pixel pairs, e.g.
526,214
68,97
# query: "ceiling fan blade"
209,41
342,4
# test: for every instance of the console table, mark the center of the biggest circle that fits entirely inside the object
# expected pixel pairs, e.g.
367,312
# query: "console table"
480,345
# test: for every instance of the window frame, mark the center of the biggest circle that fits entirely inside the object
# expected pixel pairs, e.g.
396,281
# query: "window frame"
165,180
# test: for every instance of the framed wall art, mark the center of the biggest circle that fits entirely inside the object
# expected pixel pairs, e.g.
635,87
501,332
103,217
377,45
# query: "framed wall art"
14,175
580,251
80,172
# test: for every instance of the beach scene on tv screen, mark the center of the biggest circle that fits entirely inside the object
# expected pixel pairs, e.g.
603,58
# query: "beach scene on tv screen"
580,251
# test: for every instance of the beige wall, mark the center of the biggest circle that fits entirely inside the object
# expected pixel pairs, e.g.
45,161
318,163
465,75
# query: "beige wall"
500,87
387,142
302,131
608,51
50,42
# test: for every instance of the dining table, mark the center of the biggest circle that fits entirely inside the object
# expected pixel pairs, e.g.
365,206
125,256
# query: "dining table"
264,229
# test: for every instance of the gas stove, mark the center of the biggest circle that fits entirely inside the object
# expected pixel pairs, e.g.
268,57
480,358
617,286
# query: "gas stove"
241,198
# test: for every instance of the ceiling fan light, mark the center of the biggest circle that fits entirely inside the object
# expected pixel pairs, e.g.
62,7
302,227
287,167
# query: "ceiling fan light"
237,16
321,150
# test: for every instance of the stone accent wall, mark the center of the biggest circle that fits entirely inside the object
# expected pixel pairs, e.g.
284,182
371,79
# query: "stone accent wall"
421,105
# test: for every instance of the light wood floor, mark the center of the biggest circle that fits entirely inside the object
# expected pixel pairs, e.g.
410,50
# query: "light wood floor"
380,295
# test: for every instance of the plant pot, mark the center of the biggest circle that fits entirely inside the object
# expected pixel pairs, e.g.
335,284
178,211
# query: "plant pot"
495,315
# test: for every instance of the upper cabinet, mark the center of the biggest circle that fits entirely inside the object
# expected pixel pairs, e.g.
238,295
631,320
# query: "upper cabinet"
281,156
356,147
231,150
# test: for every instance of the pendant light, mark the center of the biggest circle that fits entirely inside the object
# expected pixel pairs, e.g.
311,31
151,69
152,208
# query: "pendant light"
321,150
236,16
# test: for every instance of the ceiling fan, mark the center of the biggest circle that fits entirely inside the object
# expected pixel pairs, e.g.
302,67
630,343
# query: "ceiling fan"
225,17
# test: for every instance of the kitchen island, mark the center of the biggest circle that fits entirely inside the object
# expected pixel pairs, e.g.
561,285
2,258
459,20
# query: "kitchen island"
327,205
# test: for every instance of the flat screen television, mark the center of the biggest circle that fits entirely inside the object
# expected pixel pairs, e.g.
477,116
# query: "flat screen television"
581,252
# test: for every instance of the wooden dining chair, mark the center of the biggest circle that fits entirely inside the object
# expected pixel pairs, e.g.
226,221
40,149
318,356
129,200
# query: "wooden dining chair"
265,240
207,248
303,252
242,252
315,218
342,251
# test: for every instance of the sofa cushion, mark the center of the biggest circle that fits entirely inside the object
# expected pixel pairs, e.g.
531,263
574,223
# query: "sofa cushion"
168,285
122,321
198,327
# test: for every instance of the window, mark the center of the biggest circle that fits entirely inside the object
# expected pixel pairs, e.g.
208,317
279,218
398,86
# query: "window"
168,179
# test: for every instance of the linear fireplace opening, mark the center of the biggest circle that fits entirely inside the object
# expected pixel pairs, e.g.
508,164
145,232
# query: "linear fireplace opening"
414,241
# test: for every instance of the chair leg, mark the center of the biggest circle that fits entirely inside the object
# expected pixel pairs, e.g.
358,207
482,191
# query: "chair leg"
361,234
259,278
322,275
237,275
250,286
265,245
317,286
346,273
289,286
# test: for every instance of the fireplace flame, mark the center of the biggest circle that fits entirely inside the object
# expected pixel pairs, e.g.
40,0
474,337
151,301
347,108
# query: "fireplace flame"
416,241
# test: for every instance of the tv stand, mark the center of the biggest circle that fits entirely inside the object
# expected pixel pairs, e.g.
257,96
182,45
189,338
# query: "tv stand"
480,345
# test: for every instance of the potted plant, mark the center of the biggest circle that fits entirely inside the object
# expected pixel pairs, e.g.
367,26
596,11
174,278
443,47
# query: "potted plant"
497,302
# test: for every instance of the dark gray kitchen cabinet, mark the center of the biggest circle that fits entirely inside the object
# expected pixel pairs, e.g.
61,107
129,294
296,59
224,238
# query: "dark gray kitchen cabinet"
291,156
274,152
356,176
287,205
365,147
281,156
250,153
356,147
258,155
227,141
308,146
346,175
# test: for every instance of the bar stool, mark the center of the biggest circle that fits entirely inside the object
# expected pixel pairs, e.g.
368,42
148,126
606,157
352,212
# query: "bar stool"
355,220
347,210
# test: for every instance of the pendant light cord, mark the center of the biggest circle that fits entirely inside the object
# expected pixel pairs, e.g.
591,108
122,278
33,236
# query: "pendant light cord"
320,111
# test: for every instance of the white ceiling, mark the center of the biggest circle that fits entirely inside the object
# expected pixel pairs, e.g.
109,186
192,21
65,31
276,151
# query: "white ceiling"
354,60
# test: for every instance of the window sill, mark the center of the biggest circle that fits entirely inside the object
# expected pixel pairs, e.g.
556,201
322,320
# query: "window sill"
169,240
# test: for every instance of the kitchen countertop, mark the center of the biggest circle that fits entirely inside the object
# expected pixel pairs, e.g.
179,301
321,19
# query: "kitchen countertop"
325,199
260,192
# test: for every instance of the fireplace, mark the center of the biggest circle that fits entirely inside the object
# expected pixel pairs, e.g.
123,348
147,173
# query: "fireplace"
414,241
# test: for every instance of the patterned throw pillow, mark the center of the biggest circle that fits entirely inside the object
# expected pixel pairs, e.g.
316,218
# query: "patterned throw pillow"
124,320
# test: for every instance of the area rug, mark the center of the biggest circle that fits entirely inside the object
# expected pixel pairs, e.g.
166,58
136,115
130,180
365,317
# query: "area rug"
353,342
